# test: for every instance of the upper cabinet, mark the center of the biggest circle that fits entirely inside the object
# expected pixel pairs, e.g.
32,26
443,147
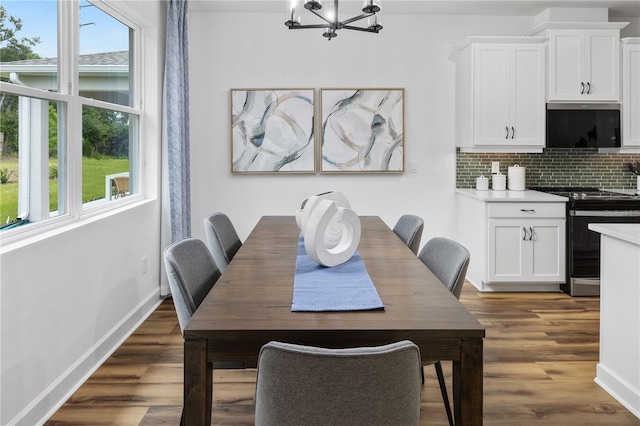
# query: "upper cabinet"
584,65
500,94
631,93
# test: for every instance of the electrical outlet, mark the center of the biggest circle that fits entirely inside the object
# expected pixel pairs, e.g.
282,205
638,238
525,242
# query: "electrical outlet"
414,167
144,265
495,167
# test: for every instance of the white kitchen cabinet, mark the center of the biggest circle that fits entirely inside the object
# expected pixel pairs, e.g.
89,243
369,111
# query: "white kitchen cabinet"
526,250
500,94
584,65
517,239
631,93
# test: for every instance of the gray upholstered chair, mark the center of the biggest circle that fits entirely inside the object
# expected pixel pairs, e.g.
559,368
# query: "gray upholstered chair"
409,228
192,273
448,260
303,385
222,239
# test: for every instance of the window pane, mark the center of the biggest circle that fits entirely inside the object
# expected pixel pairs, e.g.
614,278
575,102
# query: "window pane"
29,52
105,63
109,154
32,166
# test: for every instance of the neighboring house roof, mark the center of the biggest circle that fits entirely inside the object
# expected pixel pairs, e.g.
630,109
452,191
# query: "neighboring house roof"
106,58
106,72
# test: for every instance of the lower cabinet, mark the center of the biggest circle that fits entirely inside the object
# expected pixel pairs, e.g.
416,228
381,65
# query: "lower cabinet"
514,245
528,251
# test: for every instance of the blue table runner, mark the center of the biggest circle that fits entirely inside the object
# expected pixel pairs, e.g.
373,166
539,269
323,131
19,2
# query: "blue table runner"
346,287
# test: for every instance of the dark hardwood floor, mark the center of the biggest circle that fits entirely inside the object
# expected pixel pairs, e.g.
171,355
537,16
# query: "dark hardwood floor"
540,355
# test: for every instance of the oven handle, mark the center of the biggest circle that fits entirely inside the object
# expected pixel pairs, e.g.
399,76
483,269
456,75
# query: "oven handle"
605,213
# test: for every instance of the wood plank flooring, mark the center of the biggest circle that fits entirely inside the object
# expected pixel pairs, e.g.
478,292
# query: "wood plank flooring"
540,356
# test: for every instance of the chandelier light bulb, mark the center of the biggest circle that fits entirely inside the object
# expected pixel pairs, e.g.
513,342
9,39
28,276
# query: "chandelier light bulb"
371,6
313,4
375,22
293,15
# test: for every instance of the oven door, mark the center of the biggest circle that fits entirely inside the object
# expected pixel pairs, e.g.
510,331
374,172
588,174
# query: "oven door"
584,247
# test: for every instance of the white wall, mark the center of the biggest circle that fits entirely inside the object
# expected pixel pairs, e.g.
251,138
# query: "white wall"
258,51
68,300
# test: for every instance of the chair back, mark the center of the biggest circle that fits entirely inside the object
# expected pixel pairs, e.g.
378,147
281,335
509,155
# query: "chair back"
298,385
192,273
409,228
448,260
222,239
121,184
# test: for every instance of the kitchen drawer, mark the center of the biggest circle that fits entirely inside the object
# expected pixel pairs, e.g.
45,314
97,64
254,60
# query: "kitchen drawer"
527,210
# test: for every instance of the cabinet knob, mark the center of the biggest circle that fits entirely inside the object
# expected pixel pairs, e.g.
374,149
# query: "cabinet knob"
507,135
524,236
528,210
588,88
513,132
582,88
530,233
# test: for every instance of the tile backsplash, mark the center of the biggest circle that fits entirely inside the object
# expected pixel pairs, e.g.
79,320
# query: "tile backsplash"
553,167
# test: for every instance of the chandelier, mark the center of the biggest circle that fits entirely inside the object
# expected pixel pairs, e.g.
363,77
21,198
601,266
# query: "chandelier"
331,17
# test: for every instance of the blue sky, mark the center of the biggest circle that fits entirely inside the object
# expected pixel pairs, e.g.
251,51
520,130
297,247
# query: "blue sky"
98,32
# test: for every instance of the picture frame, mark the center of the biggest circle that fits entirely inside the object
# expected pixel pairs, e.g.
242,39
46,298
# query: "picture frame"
362,130
273,130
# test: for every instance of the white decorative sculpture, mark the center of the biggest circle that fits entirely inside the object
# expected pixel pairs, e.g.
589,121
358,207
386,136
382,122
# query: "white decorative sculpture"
331,230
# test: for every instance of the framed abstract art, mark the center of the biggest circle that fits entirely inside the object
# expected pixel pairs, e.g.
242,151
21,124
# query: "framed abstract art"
272,131
362,131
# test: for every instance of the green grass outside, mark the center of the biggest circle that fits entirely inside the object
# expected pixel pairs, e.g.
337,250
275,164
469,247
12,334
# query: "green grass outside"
93,183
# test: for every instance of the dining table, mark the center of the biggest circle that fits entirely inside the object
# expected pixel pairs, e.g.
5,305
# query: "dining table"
251,305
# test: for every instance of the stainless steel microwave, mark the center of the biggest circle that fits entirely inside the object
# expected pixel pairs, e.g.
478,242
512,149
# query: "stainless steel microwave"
583,125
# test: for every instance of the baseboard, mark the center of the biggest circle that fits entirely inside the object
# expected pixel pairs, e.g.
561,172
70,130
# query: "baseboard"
523,287
515,287
621,390
55,395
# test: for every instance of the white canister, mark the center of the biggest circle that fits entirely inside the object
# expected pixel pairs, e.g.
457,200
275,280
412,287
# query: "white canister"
516,177
482,183
498,182
638,185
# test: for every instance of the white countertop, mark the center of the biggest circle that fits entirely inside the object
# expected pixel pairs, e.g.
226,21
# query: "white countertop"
512,196
629,232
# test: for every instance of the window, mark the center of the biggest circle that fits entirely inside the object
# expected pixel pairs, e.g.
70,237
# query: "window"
69,126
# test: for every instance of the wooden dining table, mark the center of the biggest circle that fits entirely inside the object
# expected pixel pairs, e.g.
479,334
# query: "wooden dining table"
250,305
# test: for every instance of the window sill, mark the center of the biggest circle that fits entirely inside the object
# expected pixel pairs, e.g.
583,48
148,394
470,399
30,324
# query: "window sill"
25,235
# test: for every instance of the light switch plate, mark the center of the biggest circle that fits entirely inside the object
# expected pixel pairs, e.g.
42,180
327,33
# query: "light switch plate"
495,167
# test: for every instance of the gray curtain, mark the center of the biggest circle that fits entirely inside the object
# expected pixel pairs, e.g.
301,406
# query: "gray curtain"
176,187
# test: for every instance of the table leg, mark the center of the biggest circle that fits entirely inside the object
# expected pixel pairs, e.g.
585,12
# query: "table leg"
467,383
198,384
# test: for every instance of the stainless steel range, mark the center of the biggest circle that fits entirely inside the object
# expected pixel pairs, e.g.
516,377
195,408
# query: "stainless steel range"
585,206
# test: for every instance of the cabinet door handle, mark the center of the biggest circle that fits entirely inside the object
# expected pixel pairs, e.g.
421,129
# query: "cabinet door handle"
588,88
582,88
528,210
530,233
513,132
524,237
507,129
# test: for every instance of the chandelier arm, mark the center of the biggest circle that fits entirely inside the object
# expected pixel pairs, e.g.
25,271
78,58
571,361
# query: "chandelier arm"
367,30
357,18
302,27
319,15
